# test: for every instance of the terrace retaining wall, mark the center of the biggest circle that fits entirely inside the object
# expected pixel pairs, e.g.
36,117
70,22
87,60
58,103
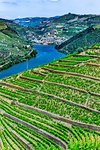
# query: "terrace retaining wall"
16,87
60,118
71,87
22,140
62,60
40,131
59,65
80,55
70,73
31,79
38,73
93,64
70,102
50,95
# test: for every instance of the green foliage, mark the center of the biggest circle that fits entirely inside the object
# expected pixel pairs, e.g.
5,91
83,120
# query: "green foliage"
2,25
84,38
13,47
39,126
80,50
34,52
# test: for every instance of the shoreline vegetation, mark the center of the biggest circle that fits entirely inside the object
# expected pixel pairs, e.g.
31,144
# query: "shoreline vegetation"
33,53
19,60
13,47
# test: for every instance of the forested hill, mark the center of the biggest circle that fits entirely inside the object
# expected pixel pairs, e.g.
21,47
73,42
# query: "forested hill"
85,38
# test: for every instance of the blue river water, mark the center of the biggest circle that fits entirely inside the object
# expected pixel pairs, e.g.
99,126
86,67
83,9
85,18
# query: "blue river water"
46,53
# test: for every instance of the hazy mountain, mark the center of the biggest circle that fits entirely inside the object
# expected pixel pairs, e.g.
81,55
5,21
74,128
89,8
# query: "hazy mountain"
33,21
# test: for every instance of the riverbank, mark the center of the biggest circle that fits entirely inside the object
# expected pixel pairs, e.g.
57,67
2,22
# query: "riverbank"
46,53
7,65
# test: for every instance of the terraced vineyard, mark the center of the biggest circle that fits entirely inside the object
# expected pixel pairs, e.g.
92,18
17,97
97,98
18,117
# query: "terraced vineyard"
13,49
55,106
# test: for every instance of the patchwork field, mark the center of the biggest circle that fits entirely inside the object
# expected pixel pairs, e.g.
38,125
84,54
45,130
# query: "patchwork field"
55,106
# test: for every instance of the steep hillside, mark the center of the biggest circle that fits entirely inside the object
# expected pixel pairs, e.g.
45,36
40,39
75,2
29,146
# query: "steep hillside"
2,26
26,33
13,48
63,28
32,21
85,38
54,106
54,30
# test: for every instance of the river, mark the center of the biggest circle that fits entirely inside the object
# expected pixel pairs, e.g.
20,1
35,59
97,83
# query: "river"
46,53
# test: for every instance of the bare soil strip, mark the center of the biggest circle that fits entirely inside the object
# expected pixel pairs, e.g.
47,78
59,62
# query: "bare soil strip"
50,95
79,55
60,118
40,131
71,73
93,64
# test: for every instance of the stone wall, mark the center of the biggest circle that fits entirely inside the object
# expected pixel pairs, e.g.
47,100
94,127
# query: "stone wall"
40,131
60,118
70,73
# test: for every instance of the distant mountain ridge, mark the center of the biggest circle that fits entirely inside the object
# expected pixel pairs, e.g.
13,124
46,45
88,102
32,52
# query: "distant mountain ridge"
33,21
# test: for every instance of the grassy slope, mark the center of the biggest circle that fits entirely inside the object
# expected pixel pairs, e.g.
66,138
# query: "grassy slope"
2,26
76,138
26,33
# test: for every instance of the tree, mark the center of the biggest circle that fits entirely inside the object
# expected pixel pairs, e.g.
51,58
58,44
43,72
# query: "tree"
80,49
13,46
34,52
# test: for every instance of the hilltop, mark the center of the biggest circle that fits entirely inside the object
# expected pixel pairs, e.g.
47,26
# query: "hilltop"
13,48
54,106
